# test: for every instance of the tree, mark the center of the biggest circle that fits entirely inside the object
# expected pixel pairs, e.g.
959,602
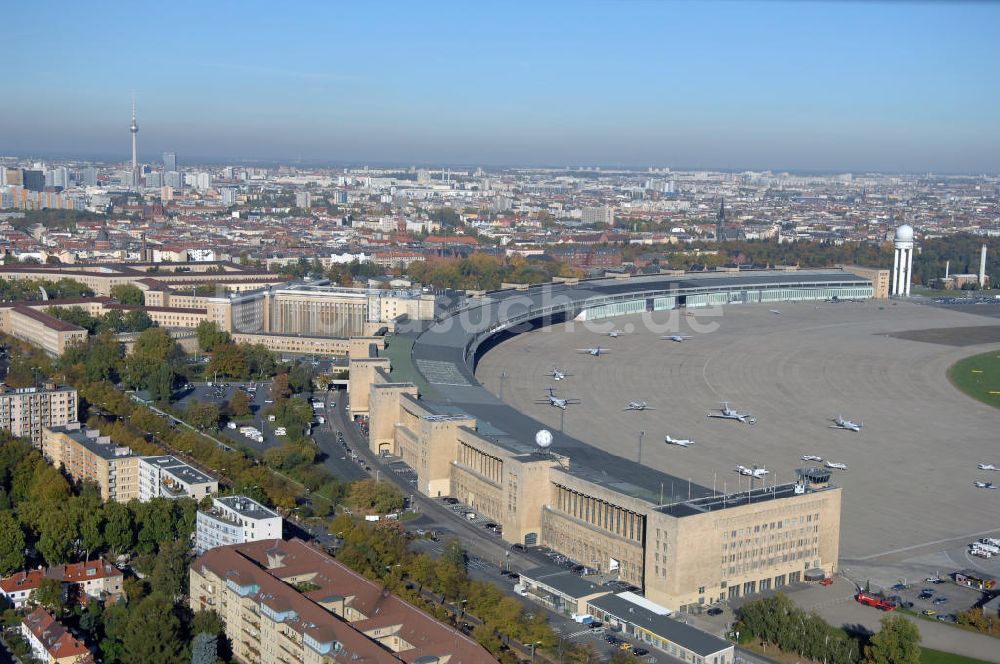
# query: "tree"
137,320
204,648
11,544
896,643
157,344
57,534
49,594
229,360
210,335
128,294
170,570
239,405
153,633
203,415
119,531
280,388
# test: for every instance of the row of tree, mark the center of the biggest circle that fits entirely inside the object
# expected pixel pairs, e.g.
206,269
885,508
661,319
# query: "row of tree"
114,321
776,621
380,551
481,271
28,290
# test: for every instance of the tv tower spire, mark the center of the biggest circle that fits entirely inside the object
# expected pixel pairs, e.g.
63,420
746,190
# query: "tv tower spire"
134,129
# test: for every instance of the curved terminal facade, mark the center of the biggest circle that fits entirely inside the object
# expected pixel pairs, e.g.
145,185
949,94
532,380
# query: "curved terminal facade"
683,544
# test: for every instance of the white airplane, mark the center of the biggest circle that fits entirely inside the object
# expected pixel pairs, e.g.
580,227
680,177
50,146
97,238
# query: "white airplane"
728,413
752,472
614,334
812,457
676,337
984,485
988,466
836,465
555,374
596,352
683,442
558,402
775,312
638,405
840,423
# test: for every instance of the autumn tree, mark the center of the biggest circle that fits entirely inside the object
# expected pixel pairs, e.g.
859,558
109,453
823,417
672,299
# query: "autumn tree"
898,642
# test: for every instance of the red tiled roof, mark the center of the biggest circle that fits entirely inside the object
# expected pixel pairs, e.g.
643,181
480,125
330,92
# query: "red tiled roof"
55,638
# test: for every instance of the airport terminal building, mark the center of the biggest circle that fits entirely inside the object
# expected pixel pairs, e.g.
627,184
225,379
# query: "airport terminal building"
685,545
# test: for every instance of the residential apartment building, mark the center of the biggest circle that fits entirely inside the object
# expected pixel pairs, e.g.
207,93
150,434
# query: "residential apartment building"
26,411
284,602
95,579
51,642
235,520
84,454
168,477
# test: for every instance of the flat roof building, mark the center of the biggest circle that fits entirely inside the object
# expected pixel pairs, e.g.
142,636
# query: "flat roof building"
168,477
235,520
653,626
87,455
26,411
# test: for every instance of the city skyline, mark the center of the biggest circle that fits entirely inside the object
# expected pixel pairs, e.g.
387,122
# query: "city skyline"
893,87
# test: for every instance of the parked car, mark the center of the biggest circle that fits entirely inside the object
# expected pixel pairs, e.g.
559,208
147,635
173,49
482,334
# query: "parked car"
714,611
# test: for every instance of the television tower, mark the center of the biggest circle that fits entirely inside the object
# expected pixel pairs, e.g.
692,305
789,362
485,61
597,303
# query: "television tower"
134,129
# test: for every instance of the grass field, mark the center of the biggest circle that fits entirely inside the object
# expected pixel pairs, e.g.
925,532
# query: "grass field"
979,377
928,656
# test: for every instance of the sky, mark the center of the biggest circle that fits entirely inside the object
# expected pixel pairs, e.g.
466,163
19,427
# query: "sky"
782,85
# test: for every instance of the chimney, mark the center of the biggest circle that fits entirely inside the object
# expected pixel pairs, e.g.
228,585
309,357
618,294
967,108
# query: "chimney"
982,267
947,269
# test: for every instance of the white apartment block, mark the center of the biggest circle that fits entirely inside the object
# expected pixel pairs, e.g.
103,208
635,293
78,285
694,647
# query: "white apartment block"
169,477
235,520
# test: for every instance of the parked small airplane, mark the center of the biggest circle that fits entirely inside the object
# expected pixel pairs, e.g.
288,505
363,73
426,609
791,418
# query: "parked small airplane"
676,337
614,334
555,374
558,402
811,457
752,472
638,405
984,485
836,465
683,442
728,413
840,423
776,312
596,352
988,466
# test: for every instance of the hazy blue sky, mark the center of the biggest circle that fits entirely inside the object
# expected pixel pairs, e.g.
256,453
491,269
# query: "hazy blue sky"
799,85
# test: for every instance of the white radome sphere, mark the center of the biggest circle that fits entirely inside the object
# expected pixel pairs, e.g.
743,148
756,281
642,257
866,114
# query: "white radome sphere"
543,438
904,233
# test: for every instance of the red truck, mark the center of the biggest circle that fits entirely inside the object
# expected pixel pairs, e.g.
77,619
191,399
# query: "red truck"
877,602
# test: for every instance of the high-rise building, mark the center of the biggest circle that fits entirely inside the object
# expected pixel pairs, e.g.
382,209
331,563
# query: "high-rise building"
169,161
303,200
154,180
173,179
229,195
599,215
204,181
25,411
33,180
88,177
